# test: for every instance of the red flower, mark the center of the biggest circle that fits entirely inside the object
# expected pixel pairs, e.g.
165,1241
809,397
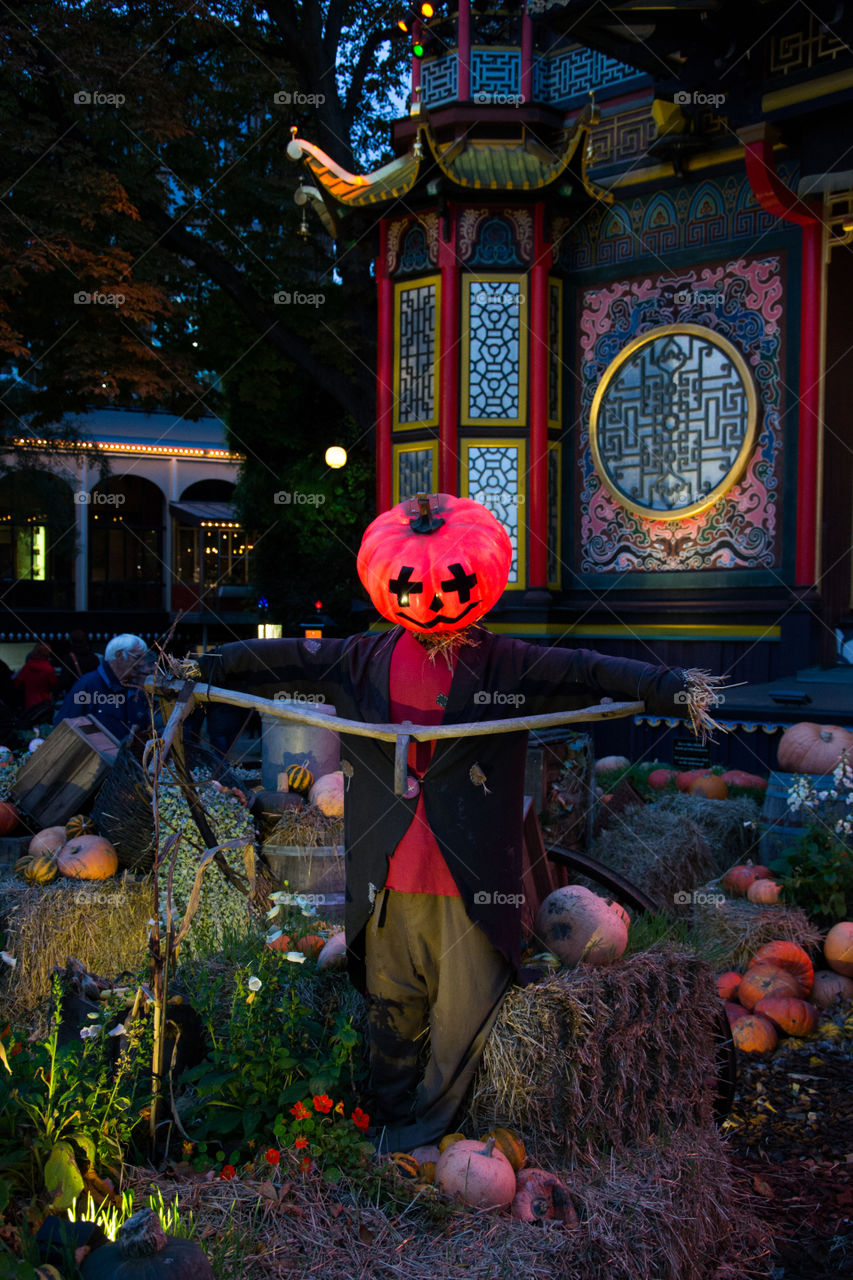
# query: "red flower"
300,1110
272,1156
360,1119
227,1172
322,1102
306,1164
300,1143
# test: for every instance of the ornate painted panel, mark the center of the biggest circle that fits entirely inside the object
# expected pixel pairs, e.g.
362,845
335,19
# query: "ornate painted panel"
494,350
555,352
739,301
493,472
415,375
554,524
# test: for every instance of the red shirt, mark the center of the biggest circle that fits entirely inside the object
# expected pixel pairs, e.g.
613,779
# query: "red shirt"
419,690
38,680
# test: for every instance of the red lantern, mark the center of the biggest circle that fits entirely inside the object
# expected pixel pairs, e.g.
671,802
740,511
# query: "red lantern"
435,563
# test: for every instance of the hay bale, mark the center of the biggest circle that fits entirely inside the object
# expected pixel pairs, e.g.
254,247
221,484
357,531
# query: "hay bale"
732,929
667,1211
731,827
662,853
597,1058
101,923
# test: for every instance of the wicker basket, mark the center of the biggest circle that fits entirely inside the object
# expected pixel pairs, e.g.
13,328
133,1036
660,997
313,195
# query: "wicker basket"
122,809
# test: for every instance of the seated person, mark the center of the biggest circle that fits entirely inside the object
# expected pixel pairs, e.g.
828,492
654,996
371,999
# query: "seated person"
112,693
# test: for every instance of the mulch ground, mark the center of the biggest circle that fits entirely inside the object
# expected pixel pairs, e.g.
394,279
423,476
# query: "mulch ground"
790,1135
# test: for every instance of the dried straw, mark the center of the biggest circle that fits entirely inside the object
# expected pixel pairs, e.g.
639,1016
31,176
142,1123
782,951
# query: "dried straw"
590,1058
663,853
736,928
448,643
729,826
307,827
101,923
667,1211
703,691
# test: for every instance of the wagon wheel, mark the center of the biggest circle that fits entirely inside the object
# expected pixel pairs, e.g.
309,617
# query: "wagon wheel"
634,897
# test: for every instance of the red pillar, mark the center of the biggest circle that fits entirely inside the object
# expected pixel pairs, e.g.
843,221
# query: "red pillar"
384,373
463,43
416,66
776,198
448,358
537,489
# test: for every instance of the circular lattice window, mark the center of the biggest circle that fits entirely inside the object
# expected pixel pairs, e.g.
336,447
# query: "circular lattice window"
673,421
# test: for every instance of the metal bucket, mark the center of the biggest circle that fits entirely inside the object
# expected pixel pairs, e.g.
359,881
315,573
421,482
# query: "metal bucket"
287,742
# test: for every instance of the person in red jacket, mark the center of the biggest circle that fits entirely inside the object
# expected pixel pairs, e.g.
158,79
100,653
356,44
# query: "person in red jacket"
37,679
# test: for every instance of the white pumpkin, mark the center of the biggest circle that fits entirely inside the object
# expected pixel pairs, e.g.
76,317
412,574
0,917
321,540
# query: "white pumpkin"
576,924
334,953
610,764
327,794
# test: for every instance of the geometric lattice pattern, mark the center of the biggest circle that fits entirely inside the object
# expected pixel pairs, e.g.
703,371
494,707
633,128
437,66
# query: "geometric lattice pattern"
493,479
495,73
672,421
494,352
571,72
414,472
416,354
439,80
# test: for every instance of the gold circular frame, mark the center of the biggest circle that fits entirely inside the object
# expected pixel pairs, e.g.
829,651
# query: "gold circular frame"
738,466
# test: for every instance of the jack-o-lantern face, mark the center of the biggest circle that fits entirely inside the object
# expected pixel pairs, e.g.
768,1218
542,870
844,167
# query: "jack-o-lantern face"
435,563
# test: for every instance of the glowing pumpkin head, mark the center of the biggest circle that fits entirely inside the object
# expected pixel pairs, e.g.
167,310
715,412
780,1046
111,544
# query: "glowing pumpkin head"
435,563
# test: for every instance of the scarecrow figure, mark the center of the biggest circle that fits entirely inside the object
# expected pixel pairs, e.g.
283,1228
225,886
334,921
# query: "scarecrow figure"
434,876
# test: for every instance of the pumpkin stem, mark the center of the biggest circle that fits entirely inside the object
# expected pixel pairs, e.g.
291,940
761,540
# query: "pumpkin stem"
490,1145
426,522
141,1236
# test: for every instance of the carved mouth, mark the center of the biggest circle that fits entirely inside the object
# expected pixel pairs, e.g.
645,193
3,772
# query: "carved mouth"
440,618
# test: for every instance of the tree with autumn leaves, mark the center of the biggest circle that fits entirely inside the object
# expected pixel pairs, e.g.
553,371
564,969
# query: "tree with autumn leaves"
147,223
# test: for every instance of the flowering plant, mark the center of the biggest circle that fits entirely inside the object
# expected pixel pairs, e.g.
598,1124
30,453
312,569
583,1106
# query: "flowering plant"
817,872
321,1137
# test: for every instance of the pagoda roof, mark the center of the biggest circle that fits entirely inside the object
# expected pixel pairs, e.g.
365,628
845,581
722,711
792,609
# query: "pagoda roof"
517,164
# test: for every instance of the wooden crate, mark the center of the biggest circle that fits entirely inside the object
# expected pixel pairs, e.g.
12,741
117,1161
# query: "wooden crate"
65,771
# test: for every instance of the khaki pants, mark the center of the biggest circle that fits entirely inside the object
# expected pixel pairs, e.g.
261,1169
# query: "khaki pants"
435,984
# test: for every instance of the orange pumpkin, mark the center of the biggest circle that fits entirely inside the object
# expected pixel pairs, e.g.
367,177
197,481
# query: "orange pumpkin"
762,980
787,955
813,748
754,1034
727,985
659,779
794,1017
765,892
737,778
738,879
684,780
510,1145
734,1011
838,948
710,786
87,858
830,988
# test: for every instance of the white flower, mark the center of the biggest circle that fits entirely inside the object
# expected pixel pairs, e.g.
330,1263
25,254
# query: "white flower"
295,957
118,1030
89,1033
273,935
255,984
7,959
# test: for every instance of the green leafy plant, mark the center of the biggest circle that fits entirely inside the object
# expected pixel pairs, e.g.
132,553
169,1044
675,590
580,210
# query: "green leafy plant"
320,1135
817,871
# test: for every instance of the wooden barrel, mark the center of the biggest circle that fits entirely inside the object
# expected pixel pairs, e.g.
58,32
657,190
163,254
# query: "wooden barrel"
316,872
782,827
